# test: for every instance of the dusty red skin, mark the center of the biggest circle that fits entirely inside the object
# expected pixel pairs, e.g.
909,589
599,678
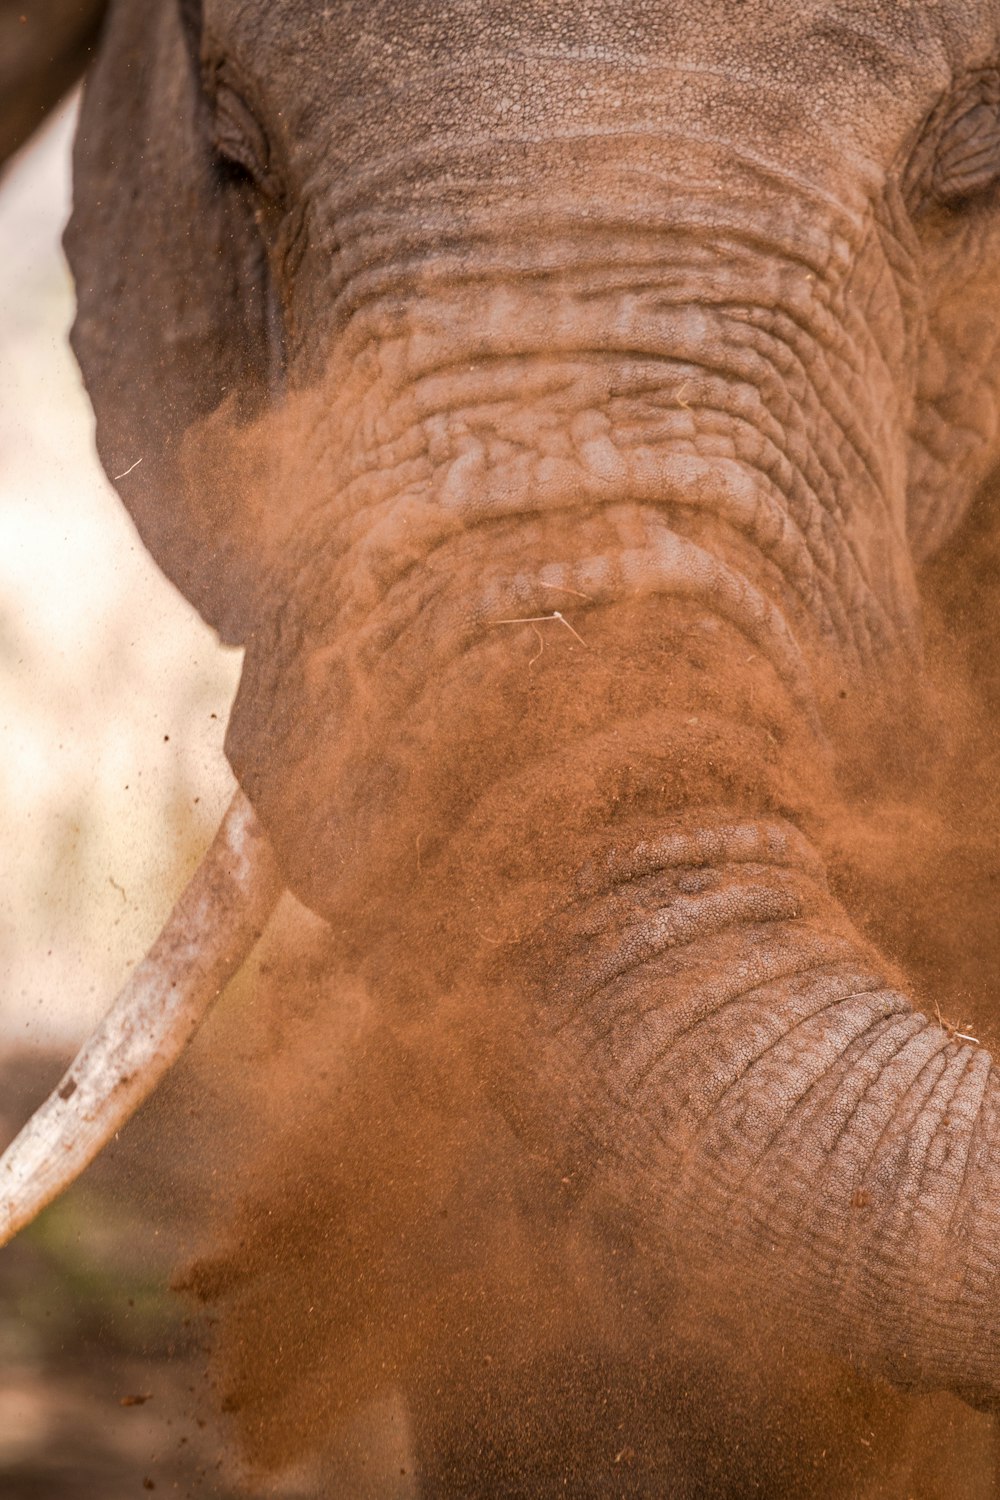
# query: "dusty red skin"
557,402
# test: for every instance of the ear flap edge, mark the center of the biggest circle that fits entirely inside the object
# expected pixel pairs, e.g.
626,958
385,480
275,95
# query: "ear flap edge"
172,298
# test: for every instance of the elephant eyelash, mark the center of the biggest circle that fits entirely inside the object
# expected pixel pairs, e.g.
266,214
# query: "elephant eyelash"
958,160
241,141
968,160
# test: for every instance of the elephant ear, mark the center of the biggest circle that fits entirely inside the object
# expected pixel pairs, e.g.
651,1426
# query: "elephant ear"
174,313
44,47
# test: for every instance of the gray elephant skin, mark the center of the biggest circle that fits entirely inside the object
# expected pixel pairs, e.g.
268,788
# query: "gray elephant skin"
571,409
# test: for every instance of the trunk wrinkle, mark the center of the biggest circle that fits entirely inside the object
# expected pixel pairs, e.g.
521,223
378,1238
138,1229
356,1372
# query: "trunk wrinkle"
671,566
802,1111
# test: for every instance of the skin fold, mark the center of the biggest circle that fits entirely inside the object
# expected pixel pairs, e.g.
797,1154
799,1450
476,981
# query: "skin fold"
557,402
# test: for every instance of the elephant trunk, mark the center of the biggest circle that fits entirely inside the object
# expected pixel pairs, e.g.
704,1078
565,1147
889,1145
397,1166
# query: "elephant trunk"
767,1104
606,582
570,477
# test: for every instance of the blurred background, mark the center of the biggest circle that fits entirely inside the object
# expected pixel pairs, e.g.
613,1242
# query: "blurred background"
113,704
113,694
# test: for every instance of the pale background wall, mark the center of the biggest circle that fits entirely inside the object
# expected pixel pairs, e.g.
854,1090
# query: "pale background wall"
113,695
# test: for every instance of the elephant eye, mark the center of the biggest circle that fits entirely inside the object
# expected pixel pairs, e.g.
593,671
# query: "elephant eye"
967,145
242,141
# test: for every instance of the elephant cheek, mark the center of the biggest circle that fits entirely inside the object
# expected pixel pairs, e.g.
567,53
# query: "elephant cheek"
287,746
356,792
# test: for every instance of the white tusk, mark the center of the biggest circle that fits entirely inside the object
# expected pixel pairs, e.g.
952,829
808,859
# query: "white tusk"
208,935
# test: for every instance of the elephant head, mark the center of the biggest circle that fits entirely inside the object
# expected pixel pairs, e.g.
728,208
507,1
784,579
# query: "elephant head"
557,401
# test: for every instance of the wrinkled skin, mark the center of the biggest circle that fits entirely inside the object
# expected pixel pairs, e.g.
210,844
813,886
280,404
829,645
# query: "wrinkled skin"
429,320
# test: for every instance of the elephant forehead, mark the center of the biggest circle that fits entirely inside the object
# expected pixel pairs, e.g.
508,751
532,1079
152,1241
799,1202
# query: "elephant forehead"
368,77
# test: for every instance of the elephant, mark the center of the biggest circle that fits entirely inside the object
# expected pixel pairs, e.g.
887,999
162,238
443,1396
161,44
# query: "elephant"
43,50
579,413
